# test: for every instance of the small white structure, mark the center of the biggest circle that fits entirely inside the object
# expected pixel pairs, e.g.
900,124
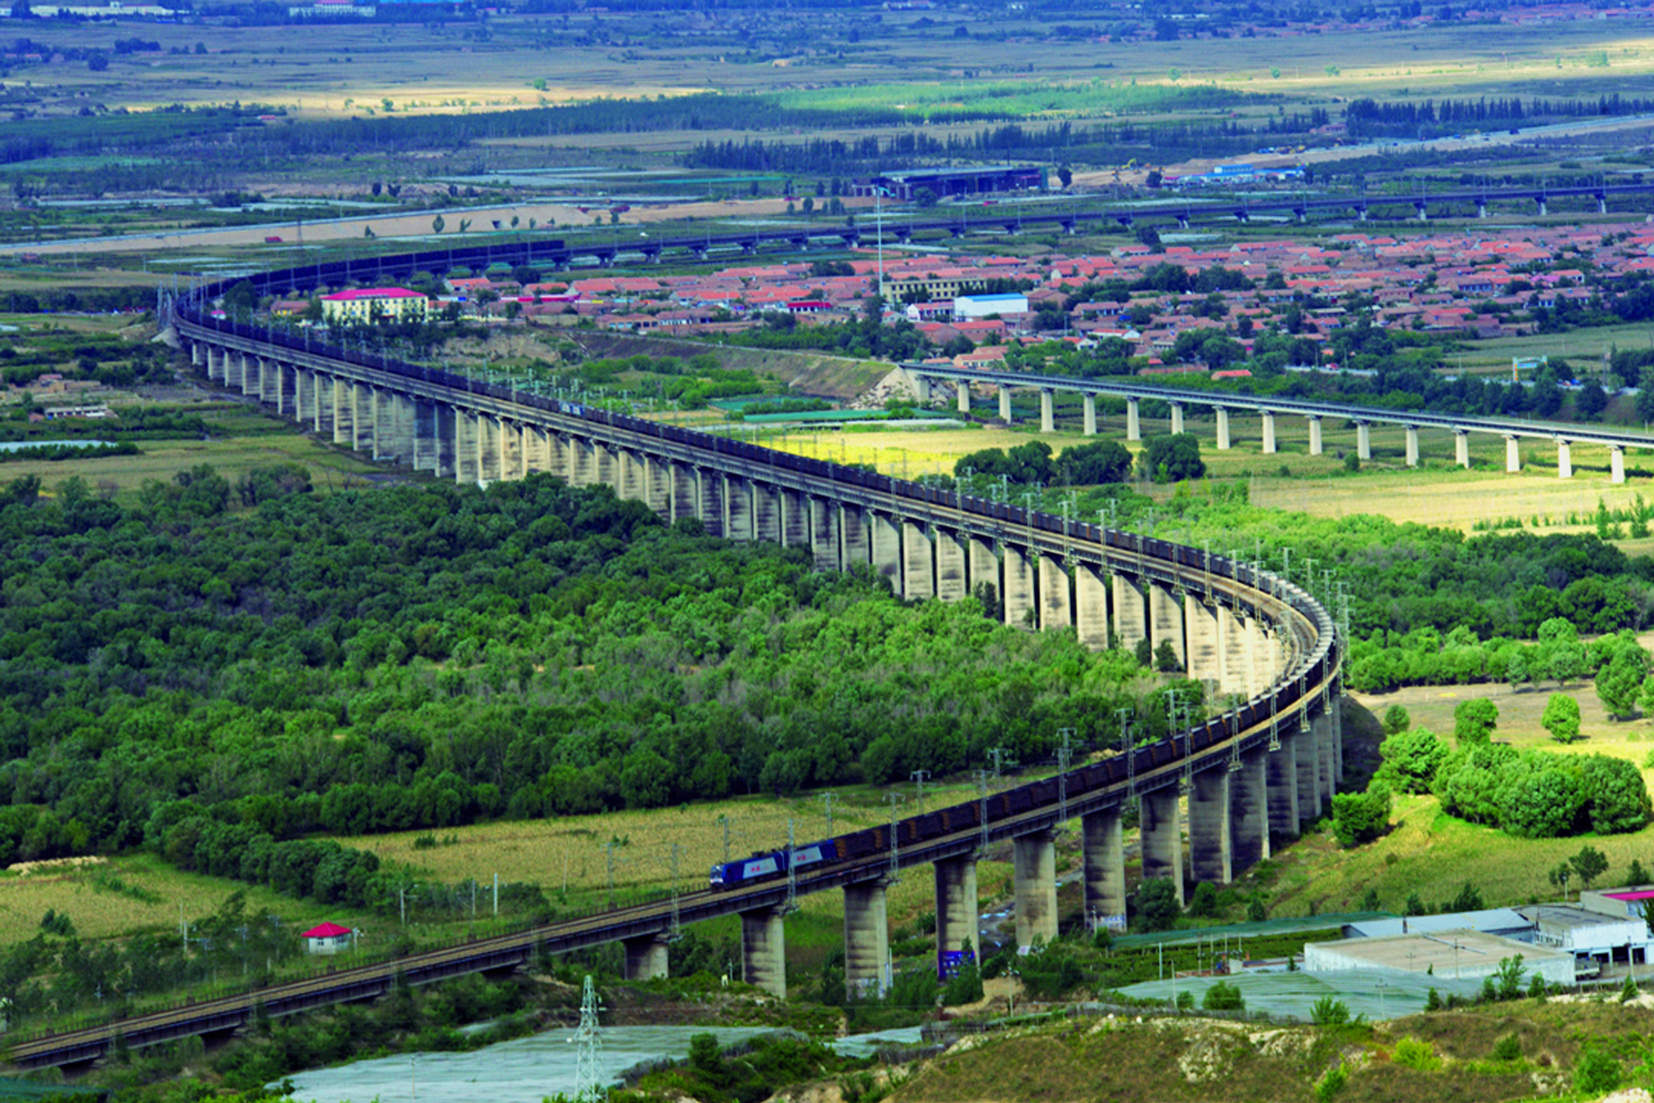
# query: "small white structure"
968,308
1461,954
329,938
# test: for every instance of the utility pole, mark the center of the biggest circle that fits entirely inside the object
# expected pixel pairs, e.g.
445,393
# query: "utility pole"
588,1076
826,798
895,874
919,777
725,821
1064,753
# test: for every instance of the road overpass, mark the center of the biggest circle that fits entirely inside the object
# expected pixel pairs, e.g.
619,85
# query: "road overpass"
923,379
1240,782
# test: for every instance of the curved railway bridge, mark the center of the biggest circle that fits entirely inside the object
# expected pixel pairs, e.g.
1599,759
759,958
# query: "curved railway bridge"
1233,784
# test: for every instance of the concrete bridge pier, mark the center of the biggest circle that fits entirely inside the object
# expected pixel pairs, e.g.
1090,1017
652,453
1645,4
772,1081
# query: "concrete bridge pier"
1233,646
984,566
424,437
442,429
1249,811
657,480
766,513
962,396
1309,772
583,471
1315,446
1461,447
1104,856
1513,456
824,533
918,569
282,384
365,418
1211,857
1134,419
1205,657
1564,460
1090,415
344,412
1260,657
866,938
1034,870
1363,440
1326,757
956,906
795,518
1055,609
323,386
467,468
384,423
1047,412
1130,611
1177,416
247,377
1018,598
537,460
764,951
491,448
1223,428
201,354
921,389
1005,403
737,499
1281,777
269,381
1616,464
709,491
887,548
1268,433
1162,835
853,521
1412,446
950,565
1091,606
304,396
686,485
1166,621
645,957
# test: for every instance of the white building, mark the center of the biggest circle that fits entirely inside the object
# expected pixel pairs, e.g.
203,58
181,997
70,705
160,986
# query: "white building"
967,308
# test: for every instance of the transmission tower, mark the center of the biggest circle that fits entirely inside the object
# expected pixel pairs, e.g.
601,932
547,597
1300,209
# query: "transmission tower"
588,1074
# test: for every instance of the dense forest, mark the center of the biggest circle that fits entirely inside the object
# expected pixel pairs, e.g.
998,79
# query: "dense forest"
409,657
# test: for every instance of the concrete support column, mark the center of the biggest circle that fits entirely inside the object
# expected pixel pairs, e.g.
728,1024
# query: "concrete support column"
1249,812
490,448
764,951
1005,403
583,469
887,548
443,427
1034,870
1232,650
1315,446
710,502
424,437
1177,417
1616,464
858,535
1281,776
608,464
1204,663
918,558
956,907
950,565
1308,763
1268,433
1513,457
766,513
1134,420
1223,429
921,389
1047,412
285,385
866,938
1055,606
1363,441
685,496
1018,599
323,386
1091,605
1104,855
537,458
1461,447
1166,621
1131,615
657,480
962,389
1412,446
645,957
384,423
304,396
199,351
1336,711
1211,857
467,469
364,418
243,371
269,380
1260,660
1326,769
984,567
824,546
562,461
795,518
1564,460
738,509
1162,832
1090,415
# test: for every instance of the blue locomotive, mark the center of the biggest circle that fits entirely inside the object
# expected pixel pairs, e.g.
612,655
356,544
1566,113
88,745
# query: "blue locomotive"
759,866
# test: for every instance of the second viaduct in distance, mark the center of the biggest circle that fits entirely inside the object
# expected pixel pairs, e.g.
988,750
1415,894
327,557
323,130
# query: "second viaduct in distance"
924,377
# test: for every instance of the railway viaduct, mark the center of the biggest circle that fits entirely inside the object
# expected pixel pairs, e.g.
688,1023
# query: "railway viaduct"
924,379
1235,784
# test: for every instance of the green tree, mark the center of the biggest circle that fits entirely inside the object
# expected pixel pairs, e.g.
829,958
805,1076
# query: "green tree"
1361,817
1223,996
1596,1072
1329,1012
1410,760
1157,908
438,224
1645,394
1561,718
1474,720
1396,719
1589,864
1619,683
1173,458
